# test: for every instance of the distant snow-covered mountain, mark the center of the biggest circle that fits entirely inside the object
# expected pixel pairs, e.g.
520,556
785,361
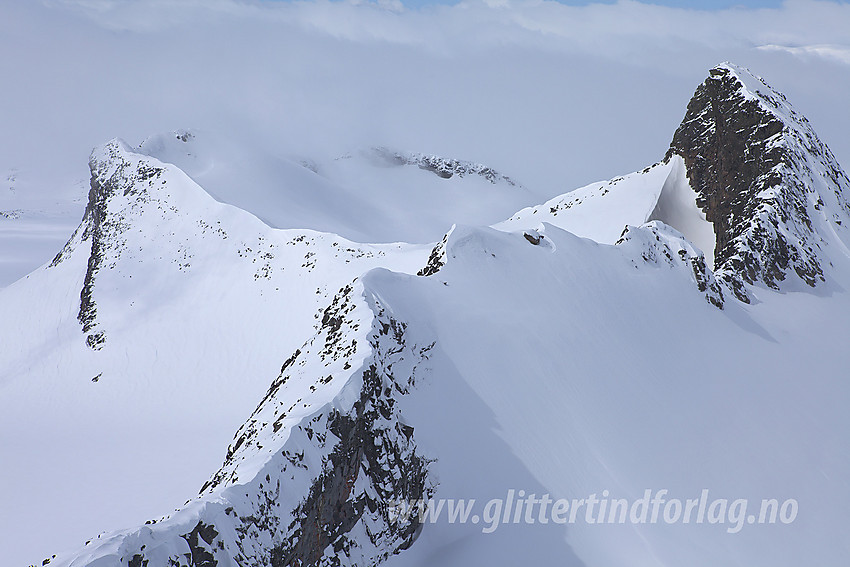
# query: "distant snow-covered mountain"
678,328
370,195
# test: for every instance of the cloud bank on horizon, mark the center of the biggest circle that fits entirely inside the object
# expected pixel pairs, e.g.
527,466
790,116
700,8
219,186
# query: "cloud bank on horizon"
556,95
793,23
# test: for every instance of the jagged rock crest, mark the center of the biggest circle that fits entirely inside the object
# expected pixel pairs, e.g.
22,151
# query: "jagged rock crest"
763,178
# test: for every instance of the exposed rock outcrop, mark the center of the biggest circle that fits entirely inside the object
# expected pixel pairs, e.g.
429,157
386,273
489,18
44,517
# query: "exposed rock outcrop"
762,177
444,167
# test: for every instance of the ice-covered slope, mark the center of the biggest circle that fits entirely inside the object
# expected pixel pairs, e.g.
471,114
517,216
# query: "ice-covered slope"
574,349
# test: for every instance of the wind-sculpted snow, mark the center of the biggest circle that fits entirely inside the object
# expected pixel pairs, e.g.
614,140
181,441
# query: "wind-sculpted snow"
599,211
615,212
657,243
603,369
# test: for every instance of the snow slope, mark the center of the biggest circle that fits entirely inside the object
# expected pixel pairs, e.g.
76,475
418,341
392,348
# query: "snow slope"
599,376
529,396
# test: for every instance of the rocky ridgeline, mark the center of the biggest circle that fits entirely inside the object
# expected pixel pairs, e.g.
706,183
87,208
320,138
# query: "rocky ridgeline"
763,178
444,167
307,481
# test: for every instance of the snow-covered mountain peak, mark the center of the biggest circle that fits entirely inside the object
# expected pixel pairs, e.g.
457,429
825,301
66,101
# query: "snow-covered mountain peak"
149,228
746,180
773,191
749,83
529,353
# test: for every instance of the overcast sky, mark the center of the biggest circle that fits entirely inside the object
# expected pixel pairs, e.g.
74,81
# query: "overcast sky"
555,95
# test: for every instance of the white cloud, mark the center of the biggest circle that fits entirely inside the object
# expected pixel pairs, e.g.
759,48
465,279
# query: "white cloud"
797,22
556,95
838,53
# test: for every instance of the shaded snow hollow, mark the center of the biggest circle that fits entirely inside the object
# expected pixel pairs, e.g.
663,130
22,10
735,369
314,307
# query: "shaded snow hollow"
677,207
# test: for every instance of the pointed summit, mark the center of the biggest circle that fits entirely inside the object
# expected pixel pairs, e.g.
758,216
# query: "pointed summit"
773,190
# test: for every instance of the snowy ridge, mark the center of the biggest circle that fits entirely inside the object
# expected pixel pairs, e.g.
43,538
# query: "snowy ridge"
306,482
773,190
599,211
163,304
133,214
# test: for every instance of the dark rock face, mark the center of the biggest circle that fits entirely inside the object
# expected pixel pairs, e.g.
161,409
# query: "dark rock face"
333,507
91,229
374,447
199,539
96,215
437,258
110,176
724,141
750,157
361,460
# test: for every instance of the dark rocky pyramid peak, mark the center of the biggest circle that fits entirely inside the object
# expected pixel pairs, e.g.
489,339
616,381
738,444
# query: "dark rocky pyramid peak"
758,170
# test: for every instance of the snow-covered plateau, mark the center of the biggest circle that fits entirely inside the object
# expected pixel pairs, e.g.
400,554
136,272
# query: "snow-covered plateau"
389,326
